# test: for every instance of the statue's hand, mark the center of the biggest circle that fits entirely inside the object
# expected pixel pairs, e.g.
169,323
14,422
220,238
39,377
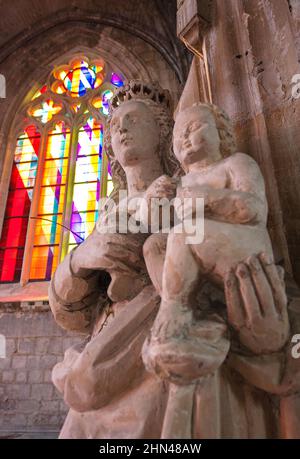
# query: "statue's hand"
107,252
121,255
195,191
187,202
257,304
88,255
163,187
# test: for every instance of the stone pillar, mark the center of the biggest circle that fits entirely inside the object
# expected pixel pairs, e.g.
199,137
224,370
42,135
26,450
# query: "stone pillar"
252,56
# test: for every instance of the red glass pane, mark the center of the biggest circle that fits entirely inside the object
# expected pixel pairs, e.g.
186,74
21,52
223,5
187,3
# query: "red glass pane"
19,198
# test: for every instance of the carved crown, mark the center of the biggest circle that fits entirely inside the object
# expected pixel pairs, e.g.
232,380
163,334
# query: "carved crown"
138,89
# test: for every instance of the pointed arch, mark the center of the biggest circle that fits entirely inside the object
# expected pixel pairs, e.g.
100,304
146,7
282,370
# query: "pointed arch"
58,168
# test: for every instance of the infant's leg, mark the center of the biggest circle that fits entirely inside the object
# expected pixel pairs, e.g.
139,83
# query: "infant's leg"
225,245
180,347
181,276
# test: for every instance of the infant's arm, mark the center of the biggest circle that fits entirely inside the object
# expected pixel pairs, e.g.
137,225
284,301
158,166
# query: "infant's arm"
244,201
157,197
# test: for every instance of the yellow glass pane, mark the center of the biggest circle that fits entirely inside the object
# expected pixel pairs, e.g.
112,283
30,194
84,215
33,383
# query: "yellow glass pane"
44,262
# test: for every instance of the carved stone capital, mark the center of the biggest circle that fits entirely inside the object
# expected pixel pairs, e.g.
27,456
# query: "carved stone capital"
193,20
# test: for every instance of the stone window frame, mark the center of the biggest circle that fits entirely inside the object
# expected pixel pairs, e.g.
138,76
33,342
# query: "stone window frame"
26,290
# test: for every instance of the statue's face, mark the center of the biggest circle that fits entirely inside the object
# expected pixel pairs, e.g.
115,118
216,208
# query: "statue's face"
134,133
196,136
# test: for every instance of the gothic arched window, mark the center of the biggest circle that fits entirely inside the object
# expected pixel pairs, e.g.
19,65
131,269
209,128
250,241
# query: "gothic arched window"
59,170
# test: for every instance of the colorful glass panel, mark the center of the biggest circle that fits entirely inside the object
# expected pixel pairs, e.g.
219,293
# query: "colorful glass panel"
46,111
86,191
51,204
97,66
102,102
76,107
78,80
109,182
58,87
116,80
74,79
39,92
99,81
110,187
18,205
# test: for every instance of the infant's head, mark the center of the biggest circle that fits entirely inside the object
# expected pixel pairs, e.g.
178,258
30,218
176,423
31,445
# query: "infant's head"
202,131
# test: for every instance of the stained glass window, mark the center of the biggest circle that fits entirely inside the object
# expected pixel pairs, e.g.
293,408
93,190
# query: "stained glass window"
86,189
51,199
46,110
102,102
19,199
58,170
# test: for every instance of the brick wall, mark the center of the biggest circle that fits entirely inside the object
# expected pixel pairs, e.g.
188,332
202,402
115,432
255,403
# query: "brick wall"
29,402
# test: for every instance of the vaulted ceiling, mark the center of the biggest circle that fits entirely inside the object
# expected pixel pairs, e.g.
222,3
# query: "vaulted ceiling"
152,20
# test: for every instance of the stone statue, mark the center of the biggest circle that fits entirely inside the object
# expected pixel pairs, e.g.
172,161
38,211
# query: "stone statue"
234,227
217,362
102,287
191,337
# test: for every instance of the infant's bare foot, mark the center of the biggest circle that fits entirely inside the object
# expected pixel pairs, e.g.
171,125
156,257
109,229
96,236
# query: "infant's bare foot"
186,357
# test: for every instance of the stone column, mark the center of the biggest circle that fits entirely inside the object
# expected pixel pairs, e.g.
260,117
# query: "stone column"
251,53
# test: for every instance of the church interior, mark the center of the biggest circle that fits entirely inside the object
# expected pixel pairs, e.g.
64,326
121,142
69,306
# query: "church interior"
61,62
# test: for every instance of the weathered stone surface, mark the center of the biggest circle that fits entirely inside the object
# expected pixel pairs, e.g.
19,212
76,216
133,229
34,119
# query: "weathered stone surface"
253,50
8,376
19,361
191,347
137,41
27,396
